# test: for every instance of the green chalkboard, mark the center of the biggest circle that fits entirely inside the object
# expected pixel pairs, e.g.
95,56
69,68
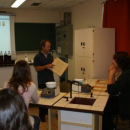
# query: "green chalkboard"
29,35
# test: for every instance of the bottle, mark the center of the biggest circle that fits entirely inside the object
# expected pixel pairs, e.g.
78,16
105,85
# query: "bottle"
12,58
5,58
26,57
1,58
9,58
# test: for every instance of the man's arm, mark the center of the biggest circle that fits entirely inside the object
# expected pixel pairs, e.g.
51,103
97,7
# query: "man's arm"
40,68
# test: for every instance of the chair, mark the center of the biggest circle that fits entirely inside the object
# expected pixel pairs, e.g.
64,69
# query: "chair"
116,121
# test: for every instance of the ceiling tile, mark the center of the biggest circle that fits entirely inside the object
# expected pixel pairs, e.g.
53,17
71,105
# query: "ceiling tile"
56,4
71,4
63,0
6,3
28,3
45,4
79,0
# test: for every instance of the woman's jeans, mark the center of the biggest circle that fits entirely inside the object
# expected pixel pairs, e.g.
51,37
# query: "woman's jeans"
36,122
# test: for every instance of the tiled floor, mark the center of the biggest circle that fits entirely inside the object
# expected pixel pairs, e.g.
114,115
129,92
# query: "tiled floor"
44,125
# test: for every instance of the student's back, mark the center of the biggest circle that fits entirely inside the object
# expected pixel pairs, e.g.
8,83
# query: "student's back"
21,82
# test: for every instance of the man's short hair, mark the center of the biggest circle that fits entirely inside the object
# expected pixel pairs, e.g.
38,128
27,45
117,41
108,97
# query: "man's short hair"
43,43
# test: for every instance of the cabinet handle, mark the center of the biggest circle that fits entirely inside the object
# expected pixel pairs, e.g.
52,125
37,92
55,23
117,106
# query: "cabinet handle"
81,43
81,68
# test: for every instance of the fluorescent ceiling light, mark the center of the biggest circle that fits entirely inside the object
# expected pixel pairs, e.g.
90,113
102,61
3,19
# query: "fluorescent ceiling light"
17,3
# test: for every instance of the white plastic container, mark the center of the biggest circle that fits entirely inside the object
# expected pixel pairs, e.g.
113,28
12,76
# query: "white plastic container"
79,80
26,57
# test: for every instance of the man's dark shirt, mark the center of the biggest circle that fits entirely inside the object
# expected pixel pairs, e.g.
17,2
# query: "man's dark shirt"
45,75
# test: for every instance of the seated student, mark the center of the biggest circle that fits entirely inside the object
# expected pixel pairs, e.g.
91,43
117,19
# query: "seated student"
118,71
21,82
118,104
13,111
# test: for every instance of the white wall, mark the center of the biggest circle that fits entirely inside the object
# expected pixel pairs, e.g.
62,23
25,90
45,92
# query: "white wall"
83,16
7,72
33,16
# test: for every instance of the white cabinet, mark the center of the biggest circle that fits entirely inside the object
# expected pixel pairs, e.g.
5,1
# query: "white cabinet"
84,42
84,67
71,120
94,48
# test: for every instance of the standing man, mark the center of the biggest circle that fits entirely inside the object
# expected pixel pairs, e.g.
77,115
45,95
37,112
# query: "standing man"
42,61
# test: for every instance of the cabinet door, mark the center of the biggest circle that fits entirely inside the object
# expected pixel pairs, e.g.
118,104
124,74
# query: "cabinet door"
79,43
84,67
79,67
104,48
88,42
89,67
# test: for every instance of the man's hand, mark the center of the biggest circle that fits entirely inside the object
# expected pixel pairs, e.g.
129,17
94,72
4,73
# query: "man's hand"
49,65
41,68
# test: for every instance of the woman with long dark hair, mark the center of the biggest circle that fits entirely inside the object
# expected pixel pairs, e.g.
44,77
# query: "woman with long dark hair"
13,111
119,90
21,82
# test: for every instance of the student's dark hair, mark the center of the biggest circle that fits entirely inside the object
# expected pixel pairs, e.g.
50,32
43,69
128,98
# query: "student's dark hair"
43,43
13,111
122,59
21,76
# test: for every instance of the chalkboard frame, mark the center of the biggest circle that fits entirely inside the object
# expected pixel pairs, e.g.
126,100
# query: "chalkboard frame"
29,35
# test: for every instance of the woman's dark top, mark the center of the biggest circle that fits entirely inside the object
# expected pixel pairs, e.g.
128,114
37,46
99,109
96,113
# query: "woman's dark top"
122,87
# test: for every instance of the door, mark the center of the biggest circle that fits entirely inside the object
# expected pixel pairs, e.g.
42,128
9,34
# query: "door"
79,42
89,67
88,42
84,67
84,42
104,48
79,67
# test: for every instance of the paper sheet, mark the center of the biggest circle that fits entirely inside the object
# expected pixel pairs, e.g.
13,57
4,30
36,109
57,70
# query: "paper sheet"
59,66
